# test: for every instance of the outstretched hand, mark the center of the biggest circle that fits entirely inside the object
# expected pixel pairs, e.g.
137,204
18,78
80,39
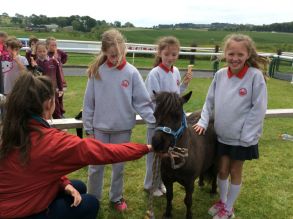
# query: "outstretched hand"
198,129
69,189
150,147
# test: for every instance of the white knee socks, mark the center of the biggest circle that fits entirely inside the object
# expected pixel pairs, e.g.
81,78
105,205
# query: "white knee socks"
234,191
223,188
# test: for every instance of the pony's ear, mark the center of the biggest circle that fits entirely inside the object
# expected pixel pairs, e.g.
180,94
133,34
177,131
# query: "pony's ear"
186,97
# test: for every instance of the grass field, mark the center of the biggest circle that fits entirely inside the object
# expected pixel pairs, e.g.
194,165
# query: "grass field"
265,41
267,190
140,62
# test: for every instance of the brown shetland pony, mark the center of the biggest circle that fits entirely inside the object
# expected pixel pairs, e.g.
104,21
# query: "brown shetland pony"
186,154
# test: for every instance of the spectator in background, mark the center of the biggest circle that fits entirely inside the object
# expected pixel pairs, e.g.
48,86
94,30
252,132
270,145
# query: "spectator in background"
12,64
3,52
50,68
3,37
31,53
61,57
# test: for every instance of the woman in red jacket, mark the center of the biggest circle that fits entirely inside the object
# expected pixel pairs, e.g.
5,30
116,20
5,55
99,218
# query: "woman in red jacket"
35,158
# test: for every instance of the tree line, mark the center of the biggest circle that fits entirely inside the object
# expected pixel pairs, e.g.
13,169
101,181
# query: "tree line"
277,27
78,23
88,24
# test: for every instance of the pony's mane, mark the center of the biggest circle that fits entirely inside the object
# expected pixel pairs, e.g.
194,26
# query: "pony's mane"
167,103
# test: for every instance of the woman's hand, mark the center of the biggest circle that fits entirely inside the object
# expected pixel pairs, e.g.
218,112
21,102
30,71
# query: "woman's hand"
69,189
198,129
150,147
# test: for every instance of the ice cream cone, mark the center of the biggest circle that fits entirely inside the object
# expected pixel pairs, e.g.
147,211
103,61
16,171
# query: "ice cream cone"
189,70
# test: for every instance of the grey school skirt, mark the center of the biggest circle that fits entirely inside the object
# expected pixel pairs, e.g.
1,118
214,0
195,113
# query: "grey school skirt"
238,152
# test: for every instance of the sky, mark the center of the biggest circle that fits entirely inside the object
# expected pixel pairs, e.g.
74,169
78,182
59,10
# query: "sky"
148,13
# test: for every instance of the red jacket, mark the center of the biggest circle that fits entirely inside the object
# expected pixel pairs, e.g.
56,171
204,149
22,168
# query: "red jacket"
29,189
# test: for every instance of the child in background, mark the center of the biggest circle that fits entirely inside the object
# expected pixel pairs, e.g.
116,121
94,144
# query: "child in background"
50,68
237,98
31,53
3,56
163,77
114,92
61,57
12,64
3,37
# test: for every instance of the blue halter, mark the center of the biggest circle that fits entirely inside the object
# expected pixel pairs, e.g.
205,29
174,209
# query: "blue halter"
169,131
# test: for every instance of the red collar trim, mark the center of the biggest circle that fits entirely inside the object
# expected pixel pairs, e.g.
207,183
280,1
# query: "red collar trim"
240,74
165,68
119,67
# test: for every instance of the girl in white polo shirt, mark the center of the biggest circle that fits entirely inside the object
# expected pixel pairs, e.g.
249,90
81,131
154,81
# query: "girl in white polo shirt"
237,98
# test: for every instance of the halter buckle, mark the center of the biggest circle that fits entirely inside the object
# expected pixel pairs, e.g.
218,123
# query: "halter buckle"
167,130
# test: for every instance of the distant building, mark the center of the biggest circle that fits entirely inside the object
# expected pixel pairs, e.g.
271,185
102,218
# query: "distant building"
38,28
68,28
52,27
42,28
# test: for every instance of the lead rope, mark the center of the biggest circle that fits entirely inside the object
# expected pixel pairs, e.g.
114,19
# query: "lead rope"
177,152
155,184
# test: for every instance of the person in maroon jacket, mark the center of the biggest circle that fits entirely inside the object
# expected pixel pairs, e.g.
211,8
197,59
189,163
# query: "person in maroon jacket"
50,68
61,57
34,158
30,54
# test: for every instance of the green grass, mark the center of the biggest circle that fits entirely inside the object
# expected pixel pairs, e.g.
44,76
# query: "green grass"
76,59
265,41
267,183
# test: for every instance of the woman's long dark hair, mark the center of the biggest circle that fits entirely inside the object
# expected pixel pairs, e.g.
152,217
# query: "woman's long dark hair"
26,99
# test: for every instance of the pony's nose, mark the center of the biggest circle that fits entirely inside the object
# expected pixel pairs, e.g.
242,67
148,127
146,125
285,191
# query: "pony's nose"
157,143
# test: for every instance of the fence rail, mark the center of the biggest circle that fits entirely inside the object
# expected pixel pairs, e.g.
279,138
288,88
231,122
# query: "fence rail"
72,123
94,47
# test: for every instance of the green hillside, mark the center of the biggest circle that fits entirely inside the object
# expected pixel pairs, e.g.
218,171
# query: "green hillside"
265,41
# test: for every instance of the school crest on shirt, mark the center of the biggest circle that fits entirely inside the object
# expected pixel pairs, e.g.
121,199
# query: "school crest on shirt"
242,91
125,83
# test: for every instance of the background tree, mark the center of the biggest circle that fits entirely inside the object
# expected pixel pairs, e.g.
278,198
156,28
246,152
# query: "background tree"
128,24
117,24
